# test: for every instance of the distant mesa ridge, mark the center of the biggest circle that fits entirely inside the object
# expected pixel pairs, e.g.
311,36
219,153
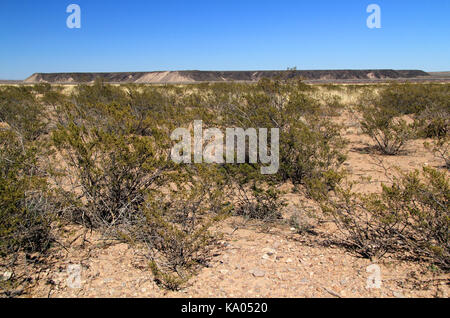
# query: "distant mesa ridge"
221,76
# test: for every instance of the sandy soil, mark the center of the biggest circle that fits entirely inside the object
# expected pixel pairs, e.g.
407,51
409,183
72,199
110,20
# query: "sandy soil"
246,263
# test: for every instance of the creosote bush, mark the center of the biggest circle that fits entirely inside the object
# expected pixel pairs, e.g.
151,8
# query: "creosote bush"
440,147
112,165
311,146
303,220
118,155
28,206
312,151
413,98
25,206
255,197
424,199
389,132
434,123
22,111
409,218
178,222
259,203
428,104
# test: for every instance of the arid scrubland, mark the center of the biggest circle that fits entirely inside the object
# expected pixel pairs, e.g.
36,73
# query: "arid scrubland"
363,179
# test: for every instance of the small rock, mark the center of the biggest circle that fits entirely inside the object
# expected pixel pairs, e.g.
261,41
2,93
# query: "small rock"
269,251
7,276
258,273
332,292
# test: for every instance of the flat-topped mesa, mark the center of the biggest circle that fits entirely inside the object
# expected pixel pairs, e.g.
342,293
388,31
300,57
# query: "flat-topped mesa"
221,76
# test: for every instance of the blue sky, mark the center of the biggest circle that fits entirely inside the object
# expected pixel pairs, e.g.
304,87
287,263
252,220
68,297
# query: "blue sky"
146,35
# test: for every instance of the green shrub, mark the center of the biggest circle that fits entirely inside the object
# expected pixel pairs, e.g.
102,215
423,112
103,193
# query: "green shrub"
424,200
312,151
118,155
178,222
25,209
440,149
311,146
259,203
364,230
429,104
112,165
389,132
414,98
434,122
254,196
304,221
20,109
85,95
409,218
42,88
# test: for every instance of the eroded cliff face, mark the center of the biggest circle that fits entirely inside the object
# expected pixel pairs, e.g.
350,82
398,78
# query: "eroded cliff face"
220,76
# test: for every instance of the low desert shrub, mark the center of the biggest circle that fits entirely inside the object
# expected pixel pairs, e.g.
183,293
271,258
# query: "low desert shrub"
20,109
424,199
111,165
434,122
128,187
253,197
412,98
259,203
428,104
25,207
440,148
42,88
409,218
364,230
303,220
178,222
388,131
310,145
85,95
312,151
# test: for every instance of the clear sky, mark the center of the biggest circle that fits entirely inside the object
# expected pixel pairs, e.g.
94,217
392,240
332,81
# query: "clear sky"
147,35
